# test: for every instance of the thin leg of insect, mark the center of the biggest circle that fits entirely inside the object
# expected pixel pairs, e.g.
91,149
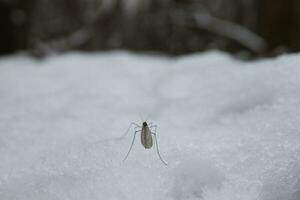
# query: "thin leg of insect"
156,144
153,126
131,144
136,126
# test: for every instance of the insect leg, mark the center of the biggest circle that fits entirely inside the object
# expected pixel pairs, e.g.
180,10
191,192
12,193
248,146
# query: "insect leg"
131,145
136,125
153,126
136,128
156,144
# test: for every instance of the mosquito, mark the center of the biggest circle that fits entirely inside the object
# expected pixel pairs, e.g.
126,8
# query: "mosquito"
146,137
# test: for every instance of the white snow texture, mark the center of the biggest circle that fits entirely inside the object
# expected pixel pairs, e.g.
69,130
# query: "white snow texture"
229,130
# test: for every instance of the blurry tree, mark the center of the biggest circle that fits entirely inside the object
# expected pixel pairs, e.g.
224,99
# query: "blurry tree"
14,26
259,27
7,44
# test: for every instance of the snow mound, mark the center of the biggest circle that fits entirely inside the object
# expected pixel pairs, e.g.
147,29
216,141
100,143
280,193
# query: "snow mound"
228,129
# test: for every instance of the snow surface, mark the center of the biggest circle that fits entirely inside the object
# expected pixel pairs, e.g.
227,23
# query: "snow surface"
229,130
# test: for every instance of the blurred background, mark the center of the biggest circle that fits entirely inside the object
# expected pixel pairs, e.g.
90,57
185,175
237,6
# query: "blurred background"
245,28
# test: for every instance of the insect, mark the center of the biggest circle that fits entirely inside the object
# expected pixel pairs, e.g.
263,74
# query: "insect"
146,137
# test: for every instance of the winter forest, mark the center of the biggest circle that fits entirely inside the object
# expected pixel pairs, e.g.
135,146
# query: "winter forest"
149,100
249,28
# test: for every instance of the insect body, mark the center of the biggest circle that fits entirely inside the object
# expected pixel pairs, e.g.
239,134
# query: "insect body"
147,137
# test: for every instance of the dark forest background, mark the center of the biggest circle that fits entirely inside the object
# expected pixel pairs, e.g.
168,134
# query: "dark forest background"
246,28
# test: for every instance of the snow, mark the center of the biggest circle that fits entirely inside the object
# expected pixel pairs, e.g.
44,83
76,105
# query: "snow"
228,129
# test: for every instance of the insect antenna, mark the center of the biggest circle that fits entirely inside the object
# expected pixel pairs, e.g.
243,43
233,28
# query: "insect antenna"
141,118
146,119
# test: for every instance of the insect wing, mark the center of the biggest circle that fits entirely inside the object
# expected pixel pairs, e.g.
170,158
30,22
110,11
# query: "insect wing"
146,137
